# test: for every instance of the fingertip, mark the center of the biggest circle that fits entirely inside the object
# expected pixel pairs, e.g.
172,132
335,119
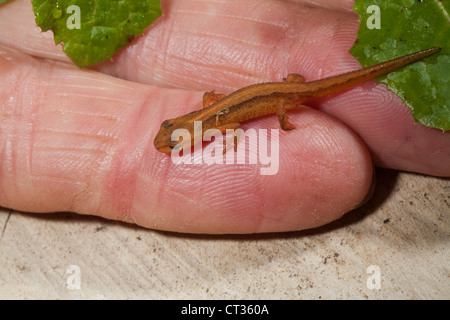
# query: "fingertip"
324,171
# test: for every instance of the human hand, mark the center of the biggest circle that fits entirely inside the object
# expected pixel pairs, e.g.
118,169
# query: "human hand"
82,140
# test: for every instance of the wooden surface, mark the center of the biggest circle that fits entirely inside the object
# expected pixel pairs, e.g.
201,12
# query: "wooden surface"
403,232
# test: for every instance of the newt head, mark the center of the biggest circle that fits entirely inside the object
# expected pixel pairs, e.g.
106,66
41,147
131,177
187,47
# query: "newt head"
163,141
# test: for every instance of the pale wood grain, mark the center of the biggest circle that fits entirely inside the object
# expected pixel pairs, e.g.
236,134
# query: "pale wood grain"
404,230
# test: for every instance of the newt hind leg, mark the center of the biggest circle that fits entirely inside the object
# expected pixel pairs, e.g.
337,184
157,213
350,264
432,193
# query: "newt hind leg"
284,105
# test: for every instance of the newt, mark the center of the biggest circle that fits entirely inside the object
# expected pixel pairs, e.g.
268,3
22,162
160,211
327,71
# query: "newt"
228,111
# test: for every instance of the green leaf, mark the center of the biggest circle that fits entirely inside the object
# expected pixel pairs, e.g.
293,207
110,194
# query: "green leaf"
408,26
93,30
4,1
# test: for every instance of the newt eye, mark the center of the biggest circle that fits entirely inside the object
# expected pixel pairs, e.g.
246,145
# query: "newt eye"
166,124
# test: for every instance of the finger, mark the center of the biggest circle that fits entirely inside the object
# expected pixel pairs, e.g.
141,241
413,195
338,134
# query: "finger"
196,44
82,141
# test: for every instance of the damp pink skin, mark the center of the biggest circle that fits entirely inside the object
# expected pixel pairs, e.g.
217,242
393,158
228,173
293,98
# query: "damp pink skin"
82,140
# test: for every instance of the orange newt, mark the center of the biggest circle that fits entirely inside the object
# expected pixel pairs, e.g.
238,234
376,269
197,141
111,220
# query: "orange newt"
227,112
